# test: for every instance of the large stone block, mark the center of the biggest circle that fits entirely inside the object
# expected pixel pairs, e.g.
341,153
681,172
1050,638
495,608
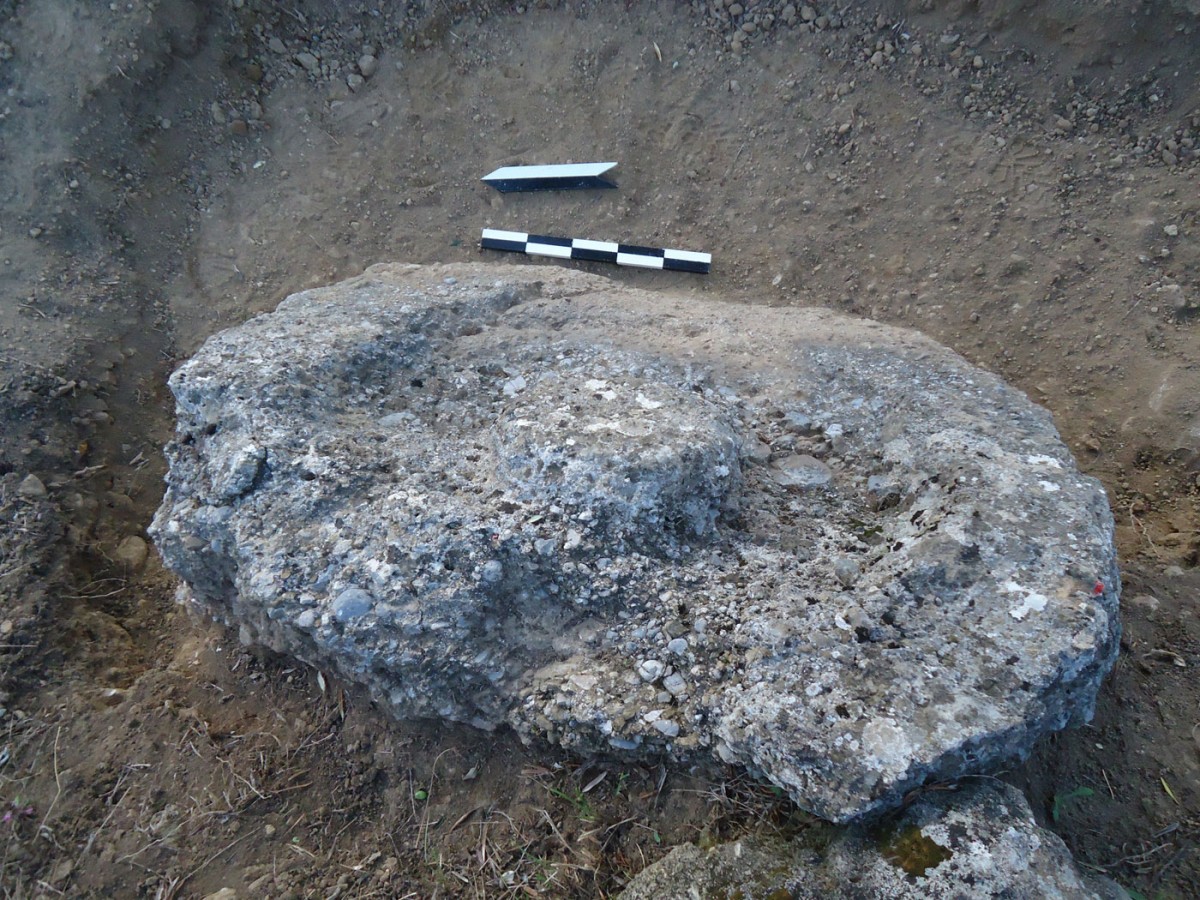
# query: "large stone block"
826,549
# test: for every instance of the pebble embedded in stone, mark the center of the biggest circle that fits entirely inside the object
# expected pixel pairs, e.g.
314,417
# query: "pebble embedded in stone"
883,492
351,604
799,423
668,727
675,683
236,469
802,471
650,670
492,572
677,646
846,571
308,62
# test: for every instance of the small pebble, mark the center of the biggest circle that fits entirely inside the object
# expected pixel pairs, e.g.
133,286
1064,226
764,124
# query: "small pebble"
368,65
132,552
802,471
31,487
1145,601
650,670
309,62
352,603
678,646
846,571
492,572
667,727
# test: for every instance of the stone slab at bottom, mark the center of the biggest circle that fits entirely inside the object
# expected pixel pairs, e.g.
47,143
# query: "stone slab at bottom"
978,842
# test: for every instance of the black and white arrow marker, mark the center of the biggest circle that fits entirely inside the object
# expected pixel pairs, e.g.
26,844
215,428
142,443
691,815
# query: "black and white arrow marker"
599,251
574,176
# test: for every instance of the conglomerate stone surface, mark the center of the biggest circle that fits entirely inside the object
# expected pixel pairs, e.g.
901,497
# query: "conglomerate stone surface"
825,549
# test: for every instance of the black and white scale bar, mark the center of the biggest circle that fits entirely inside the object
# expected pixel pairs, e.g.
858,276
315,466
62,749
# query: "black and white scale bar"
599,251
576,176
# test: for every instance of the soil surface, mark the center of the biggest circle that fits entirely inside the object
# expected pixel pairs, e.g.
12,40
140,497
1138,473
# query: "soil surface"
1019,180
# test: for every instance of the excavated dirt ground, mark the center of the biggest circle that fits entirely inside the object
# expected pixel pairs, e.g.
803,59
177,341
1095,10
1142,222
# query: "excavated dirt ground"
1024,190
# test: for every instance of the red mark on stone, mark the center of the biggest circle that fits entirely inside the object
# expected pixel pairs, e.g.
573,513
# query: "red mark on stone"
1098,589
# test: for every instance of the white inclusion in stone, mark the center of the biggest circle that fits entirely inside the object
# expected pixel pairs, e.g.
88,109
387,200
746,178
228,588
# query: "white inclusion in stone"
1031,601
1041,459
